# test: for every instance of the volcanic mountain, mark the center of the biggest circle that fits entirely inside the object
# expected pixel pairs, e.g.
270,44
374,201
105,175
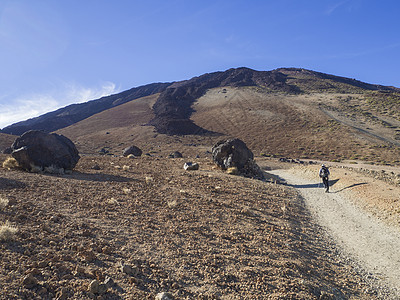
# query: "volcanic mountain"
283,112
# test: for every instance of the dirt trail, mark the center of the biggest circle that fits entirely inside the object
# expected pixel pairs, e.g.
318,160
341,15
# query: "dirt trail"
373,244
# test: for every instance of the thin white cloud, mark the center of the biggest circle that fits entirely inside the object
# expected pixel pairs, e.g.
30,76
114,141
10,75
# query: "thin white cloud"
25,108
29,106
335,7
78,94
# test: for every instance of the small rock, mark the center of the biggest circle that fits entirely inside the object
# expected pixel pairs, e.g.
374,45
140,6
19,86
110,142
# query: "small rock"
88,256
55,219
94,286
102,288
29,281
191,166
35,271
128,269
175,154
79,271
62,294
96,167
164,296
109,282
136,151
107,250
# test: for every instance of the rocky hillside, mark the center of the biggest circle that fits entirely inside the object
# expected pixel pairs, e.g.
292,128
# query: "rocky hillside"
284,113
173,107
74,113
121,228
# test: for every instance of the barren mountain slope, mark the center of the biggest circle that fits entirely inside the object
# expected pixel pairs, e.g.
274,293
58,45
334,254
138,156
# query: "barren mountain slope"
307,125
324,126
198,235
113,128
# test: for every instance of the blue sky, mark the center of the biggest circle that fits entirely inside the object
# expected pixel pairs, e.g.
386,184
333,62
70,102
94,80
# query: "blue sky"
54,53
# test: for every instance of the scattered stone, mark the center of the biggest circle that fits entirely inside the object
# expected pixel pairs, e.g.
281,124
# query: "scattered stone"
136,151
88,256
109,282
164,296
94,286
55,219
191,166
29,281
149,180
39,151
62,294
175,154
34,271
79,271
104,151
102,289
133,271
96,167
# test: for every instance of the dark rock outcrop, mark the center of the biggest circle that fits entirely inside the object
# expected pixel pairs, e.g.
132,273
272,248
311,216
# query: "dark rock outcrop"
40,151
233,153
174,105
136,151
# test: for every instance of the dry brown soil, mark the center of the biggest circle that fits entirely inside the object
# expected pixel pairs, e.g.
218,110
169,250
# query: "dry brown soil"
196,234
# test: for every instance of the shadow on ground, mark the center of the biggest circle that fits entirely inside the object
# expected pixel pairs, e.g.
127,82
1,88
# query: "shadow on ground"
350,186
313,185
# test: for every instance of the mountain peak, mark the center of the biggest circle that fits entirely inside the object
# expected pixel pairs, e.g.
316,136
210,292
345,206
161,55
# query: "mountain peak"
173,107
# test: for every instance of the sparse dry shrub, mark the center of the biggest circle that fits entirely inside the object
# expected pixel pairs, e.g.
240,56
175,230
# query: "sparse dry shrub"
232,171
7,232
3,203
10,163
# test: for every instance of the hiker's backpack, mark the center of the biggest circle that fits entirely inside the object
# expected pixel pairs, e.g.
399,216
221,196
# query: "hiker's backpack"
324,172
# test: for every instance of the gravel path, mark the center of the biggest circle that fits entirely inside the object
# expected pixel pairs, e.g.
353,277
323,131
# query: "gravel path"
364,238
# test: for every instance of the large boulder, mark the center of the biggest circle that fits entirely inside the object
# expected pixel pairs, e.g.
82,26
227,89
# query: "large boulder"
136,151
39,151
233,153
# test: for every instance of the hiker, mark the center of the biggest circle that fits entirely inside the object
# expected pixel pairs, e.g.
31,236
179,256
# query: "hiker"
324,174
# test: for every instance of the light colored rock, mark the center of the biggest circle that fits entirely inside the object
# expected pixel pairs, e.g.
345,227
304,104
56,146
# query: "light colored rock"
164,296
191,166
